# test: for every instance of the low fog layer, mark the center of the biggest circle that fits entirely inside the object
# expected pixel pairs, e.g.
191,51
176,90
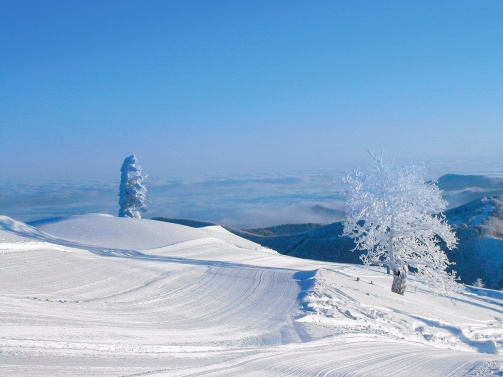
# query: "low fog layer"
240,201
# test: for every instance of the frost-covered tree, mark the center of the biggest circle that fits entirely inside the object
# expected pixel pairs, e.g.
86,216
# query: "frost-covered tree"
395,215
132,191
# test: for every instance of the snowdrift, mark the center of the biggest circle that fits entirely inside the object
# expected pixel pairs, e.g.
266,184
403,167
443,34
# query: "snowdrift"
98,295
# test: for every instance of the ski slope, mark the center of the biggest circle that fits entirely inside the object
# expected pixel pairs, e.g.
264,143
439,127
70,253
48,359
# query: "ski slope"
98,295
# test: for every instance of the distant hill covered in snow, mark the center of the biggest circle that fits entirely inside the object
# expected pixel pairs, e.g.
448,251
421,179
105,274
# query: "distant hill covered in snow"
461,189
479,227
450,182
283,230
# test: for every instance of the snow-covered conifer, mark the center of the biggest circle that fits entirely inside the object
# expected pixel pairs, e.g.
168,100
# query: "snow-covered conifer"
479,283
395,215
132,191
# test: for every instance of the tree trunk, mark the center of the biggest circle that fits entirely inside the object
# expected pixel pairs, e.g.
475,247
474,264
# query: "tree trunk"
399,280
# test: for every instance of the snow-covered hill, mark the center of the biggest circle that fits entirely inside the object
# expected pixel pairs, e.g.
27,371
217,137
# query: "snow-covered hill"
98,295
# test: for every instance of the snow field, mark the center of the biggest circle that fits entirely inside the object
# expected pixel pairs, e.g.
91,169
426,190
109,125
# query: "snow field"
98,295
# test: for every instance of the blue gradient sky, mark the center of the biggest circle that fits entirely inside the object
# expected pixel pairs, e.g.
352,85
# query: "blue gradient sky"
235,86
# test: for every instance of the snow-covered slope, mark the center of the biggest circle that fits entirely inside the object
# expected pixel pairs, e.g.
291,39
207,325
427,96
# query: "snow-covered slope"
122,233
97,295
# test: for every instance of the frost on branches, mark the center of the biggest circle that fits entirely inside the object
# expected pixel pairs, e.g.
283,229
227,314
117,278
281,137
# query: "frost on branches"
132,191
396,217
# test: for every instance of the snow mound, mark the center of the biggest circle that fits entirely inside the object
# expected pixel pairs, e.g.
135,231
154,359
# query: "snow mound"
96,230
18,228
223,234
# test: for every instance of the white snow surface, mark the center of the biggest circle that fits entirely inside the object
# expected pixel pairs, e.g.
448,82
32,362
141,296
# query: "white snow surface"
97,295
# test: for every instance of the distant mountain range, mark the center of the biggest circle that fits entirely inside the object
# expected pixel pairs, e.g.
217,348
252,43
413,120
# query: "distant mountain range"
478,224
284,230
451,182
479,227
461,189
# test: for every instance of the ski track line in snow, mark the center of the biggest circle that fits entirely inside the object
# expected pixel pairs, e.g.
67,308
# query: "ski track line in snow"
374,359
236,293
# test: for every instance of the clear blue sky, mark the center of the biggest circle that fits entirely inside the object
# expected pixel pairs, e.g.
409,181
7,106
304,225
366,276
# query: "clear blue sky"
204,86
